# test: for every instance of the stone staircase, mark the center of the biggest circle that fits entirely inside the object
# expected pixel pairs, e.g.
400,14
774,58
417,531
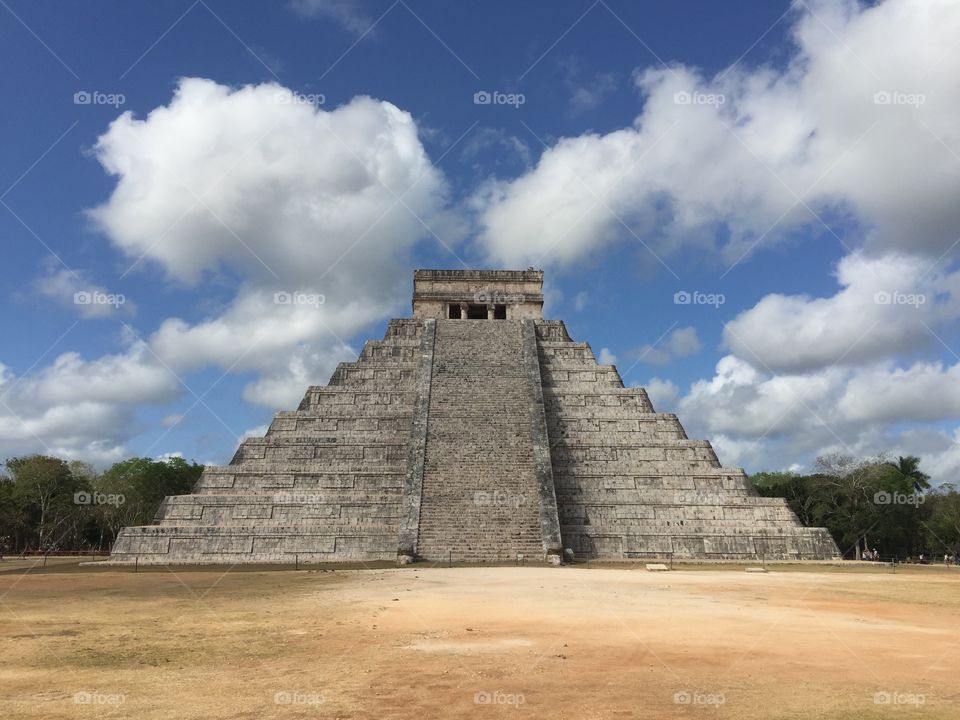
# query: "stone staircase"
480,496
325,484
631,485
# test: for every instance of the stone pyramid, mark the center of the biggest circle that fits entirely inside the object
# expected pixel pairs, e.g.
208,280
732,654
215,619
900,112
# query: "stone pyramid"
474,432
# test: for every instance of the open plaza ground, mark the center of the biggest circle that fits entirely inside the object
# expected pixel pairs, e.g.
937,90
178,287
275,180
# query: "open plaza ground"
799,641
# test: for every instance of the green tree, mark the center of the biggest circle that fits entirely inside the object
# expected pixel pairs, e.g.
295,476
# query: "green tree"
942,525
863,502
44,489
137,487
910,467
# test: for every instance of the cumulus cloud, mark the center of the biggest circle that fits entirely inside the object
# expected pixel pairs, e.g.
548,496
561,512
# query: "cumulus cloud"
886,305
925,391
314,210
763,420
662,393
256,181
81,408
858,122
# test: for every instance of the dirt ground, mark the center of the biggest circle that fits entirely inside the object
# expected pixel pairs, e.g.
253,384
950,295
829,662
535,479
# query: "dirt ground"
421,642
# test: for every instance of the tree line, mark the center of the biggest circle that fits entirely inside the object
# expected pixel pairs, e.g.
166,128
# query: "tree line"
873,505
51,505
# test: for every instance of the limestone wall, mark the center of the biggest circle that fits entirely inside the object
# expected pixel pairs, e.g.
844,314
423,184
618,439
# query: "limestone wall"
521,292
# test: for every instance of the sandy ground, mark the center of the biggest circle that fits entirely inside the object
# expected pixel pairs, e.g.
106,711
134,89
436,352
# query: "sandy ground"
479,642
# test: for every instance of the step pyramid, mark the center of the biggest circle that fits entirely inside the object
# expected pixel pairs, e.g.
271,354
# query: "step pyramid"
475,431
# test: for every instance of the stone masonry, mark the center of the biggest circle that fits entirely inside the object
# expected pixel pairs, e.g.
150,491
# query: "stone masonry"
476,431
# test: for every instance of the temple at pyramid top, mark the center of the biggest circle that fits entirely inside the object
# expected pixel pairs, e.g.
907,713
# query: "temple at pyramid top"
474,431
478,294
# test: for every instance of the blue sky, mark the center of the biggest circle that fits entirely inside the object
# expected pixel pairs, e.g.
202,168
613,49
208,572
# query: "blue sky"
793,168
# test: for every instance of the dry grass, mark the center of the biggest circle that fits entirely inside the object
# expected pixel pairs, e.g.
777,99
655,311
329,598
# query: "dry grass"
421,642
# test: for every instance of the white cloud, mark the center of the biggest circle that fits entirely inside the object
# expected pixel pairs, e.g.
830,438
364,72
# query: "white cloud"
886,305
812,130
285,385
767,421
944,465
78,408
253,182
606,357
254,432
926,391
662,393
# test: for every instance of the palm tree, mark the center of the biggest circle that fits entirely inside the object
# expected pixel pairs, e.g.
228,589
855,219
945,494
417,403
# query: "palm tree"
909,466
